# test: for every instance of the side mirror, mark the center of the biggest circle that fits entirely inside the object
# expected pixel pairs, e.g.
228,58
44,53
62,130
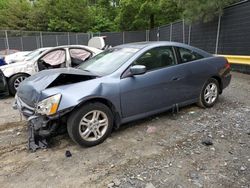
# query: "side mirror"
138,69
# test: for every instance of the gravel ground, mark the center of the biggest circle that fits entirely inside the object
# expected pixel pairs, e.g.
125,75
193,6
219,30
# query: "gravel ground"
194,148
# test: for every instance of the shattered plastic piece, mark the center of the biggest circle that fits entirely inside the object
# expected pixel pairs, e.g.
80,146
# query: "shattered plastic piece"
68,153
116,182
243,168
149,185
207,142
151,129
192,112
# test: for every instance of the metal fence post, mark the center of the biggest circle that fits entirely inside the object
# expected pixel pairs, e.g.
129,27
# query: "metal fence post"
170,33
7,42
37,42
183,31
56,40
68,39
76,38
158,33
21,41
189,34
218,35
123,37
41,37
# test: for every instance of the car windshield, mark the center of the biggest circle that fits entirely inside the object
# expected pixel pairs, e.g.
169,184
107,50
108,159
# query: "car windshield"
108,61
33,54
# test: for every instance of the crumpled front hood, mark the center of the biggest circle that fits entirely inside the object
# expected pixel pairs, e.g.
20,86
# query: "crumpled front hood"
30,90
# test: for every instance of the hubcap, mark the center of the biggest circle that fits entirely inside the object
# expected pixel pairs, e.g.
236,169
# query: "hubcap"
210,93
18,81
93,125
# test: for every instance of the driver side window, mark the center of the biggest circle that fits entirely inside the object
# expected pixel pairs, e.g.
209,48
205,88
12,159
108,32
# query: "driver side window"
53,59
157,58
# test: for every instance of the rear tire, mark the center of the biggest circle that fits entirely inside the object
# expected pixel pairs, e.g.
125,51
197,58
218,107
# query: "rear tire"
209,93
14,82
90,124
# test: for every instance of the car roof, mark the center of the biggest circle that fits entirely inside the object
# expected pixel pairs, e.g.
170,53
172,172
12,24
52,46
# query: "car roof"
141,45
148,44
70,46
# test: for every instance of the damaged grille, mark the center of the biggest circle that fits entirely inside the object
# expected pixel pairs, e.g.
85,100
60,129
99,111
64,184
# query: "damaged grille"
24,108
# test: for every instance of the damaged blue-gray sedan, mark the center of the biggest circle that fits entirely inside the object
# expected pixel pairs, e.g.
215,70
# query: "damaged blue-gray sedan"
119,85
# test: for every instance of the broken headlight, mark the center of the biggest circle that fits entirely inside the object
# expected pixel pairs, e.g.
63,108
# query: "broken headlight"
49,105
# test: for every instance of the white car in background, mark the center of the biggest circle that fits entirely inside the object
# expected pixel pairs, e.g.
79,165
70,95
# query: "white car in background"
56,57
18,56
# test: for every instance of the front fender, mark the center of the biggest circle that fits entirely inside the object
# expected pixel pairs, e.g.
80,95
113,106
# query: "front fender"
75,94
10,70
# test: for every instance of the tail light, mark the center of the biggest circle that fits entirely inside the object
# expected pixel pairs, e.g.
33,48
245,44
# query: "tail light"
227,65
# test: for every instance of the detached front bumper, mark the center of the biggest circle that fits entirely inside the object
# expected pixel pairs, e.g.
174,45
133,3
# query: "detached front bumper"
36,123
40,127
35,141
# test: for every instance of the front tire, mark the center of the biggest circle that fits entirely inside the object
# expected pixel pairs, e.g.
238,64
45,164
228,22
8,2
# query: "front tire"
15,81
209,93
91,124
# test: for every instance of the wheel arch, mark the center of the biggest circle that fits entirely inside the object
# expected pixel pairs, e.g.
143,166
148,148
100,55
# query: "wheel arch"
11,80
17,74
219,81
109,104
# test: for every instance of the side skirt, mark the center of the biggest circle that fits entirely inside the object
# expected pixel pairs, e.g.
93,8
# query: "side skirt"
174,107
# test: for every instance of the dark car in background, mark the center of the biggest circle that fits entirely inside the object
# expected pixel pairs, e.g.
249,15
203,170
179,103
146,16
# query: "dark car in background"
2,62
119,85
3,86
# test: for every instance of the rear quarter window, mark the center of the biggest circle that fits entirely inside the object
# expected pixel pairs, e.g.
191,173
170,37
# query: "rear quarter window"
187,55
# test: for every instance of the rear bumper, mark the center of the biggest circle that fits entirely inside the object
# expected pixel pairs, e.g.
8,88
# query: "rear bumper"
226,80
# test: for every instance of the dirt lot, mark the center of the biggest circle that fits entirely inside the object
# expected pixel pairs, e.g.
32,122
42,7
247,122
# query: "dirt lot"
161,151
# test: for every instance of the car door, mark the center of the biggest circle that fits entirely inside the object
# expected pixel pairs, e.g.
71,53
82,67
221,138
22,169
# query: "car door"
196,64
159,88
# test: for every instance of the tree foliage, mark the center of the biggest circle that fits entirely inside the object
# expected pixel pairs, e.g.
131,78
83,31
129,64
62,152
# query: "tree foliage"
145,14
103,15
14,14
203,10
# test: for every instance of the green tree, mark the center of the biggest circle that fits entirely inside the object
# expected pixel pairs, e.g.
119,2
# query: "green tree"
38,17
68,15
14,14
145,14
203,10
104,13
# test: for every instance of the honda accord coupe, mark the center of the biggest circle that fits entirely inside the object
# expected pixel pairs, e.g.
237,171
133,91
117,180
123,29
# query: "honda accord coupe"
119,85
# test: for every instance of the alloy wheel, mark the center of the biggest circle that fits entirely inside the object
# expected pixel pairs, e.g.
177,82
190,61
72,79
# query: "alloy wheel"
18,81
93,125
211,93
